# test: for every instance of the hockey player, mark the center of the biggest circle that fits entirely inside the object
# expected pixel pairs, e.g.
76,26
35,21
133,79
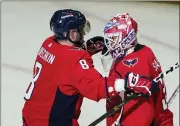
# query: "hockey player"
64,74
122,47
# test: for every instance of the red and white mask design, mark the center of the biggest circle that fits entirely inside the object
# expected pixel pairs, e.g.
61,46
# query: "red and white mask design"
120,32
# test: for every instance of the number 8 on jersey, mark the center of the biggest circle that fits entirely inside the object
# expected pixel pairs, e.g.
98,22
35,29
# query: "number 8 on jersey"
37,71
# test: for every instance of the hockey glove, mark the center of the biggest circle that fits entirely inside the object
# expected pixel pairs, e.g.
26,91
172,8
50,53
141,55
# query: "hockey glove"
138,84
94,45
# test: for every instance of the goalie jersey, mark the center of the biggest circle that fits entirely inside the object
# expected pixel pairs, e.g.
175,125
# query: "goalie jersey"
140,112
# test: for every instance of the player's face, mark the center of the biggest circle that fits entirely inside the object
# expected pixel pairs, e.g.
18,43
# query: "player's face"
75,36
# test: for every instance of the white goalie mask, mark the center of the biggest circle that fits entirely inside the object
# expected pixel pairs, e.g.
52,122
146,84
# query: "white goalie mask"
120,35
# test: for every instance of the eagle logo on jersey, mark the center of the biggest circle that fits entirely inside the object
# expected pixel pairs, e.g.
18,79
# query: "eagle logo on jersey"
130,62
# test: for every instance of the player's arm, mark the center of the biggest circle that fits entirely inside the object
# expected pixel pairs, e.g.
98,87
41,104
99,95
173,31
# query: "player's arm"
163,116
89,81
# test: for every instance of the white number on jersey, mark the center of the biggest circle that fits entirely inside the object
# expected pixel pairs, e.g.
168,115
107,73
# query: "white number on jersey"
84,64
38,68
156,64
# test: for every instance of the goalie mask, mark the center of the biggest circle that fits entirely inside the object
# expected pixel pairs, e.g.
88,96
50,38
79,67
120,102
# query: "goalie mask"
120,36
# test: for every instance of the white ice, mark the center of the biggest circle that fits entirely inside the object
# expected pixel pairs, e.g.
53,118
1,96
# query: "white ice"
26,24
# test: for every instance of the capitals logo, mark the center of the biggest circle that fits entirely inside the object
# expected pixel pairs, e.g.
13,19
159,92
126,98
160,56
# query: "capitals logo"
130,62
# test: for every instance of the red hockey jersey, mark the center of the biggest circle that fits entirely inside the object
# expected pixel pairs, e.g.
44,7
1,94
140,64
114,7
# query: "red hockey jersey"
140,112
63,75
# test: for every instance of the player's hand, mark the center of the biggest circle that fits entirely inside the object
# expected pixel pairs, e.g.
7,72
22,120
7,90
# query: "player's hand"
140,84
95,45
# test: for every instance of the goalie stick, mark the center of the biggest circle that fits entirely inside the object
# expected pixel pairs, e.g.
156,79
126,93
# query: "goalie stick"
173,96
117,107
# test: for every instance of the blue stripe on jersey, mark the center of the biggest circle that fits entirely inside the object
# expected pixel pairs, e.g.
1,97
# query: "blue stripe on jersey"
63,109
